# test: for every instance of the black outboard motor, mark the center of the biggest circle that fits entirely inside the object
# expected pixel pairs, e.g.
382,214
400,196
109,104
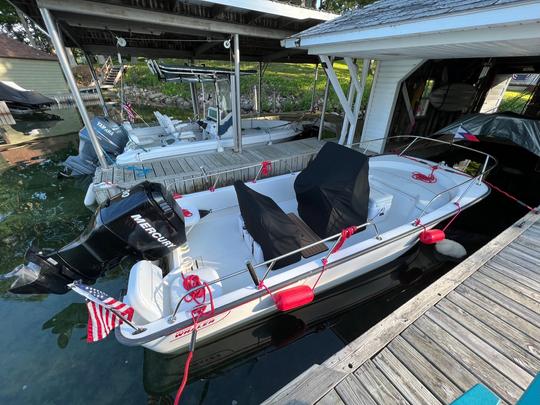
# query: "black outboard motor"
112,138
143,222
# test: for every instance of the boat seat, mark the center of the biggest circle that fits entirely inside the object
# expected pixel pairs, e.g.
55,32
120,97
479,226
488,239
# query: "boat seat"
145,292
269,225
252,245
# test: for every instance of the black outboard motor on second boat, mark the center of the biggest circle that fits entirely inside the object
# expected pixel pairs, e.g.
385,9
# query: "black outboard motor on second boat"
143,222
112,138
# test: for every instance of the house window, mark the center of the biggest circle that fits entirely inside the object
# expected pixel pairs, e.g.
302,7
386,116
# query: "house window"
423,105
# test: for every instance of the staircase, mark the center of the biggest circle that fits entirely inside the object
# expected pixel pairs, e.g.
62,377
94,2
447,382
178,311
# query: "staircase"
110,74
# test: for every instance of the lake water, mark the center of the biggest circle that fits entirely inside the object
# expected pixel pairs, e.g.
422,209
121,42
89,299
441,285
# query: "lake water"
46,360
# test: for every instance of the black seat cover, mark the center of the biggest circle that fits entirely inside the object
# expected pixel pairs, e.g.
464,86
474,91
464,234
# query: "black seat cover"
269,226
333,190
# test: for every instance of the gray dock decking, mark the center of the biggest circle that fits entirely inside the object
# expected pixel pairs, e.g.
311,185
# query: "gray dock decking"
479,323
197,172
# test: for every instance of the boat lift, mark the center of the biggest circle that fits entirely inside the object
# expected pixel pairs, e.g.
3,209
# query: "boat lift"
164,29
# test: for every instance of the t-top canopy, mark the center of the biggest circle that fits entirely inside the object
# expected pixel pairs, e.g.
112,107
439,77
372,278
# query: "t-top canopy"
333,190
191,74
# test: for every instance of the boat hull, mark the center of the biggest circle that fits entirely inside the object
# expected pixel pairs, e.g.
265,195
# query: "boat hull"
133,156
246,312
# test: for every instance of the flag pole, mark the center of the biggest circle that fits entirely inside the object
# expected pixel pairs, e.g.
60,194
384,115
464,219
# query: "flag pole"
74,287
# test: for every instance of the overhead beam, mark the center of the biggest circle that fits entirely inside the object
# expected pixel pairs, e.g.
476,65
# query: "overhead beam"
206,47
128,50
90,8
281,9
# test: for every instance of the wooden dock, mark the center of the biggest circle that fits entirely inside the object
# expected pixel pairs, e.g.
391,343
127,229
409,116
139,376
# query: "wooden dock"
199,172
479,323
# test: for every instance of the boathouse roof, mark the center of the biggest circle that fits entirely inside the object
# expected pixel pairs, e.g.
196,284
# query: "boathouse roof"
183,29
11,48
429,29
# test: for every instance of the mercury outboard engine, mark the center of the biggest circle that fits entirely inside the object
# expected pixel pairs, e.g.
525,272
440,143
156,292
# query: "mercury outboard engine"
143,222
112,138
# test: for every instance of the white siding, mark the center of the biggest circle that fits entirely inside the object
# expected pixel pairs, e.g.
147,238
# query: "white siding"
44,76
386,85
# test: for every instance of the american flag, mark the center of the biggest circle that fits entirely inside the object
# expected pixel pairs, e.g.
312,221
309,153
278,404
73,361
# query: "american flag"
462,133
103,312
129,111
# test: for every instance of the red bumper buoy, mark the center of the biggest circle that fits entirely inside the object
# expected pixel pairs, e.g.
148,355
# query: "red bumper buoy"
293,298
432,236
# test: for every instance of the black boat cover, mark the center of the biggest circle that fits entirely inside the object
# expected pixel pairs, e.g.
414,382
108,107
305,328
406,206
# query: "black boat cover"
268,225
23,97
333,190
522,131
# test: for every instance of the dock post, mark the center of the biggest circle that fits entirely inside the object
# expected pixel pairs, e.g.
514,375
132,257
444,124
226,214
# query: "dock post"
64,64
259,100
237,119
96,81
314,89
325,100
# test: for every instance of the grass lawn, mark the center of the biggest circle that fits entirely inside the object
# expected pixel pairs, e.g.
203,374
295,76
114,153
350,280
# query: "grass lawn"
514,101
292,81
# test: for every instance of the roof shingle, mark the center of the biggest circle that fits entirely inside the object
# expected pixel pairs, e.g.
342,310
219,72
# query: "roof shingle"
11,48
386,12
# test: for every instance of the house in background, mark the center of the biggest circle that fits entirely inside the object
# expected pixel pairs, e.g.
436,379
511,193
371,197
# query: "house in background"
30,68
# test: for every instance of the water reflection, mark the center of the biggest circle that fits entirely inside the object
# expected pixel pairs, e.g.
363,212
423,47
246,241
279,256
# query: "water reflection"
62,324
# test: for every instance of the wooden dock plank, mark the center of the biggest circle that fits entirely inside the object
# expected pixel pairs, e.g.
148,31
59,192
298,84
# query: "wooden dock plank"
504,300
498,324
490,282
406,383
483,330
352,392
310,386
482,369
442,361
510,282
437,383
378,386
483,349
509,267
331,398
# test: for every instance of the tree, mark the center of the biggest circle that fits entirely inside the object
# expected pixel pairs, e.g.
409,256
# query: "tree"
340,6
17,26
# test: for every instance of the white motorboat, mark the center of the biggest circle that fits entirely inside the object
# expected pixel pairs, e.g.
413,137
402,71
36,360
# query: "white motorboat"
217,260
214,132
176,138
272,245
126,144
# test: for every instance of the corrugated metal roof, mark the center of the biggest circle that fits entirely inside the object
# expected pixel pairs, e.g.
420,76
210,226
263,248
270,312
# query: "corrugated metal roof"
11,48
389,12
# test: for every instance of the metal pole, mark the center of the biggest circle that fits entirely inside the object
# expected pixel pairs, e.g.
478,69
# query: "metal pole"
259,106
64,64
98,87
237,123
313,91
193,90
323,112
